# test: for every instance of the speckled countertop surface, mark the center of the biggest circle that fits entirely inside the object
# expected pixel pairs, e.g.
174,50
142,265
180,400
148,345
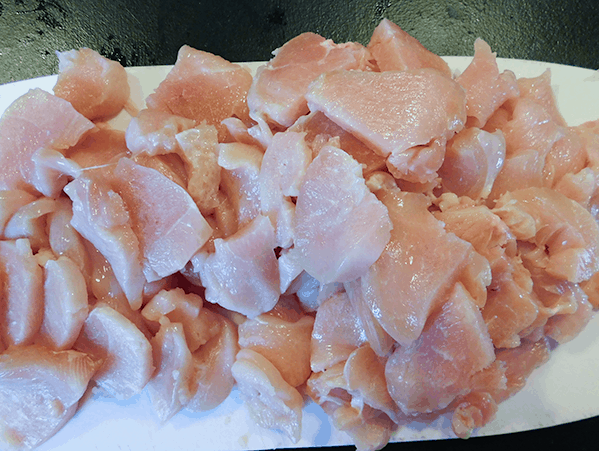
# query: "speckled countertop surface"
150,32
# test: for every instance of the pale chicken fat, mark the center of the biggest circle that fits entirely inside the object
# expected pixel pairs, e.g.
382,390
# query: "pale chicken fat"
35,122
395,112
277,94
96,86
341,228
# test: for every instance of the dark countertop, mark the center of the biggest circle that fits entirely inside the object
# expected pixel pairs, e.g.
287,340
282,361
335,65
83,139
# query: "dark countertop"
150,32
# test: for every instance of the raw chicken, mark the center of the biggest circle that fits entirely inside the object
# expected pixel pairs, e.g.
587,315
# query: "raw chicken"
39,393
277,94
336,334
100,216
96,86
166,241
419,266
286,344
35,123
406,115
65,304
10,202
283,167
212,378
472,161
340,226
21,295
271,401
394,49
125,353
428,375
242,274
486,89
154,132
553,222
169,386
203,87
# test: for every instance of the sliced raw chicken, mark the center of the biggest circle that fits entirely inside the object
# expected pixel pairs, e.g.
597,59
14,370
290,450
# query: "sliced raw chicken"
170,165
520,362
433,370
369,428
126,354
408,115
35,123
531,128
511,306
563,328
203,87
340,226
289,268
394,49
10,202
553,222
100,216
524,170
64,239
240,179
320,130
364,372
474,410
419,266
96,86
212,379
286,344
283,167
154,132
65,304
539,89
239,132
30,222
103,146
581,187
39,393
591,288
472,161
164,218
21,295
336,334
486,89
198,324
567,155
379,340
169,386
199,150
242,274
271,401
277,94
